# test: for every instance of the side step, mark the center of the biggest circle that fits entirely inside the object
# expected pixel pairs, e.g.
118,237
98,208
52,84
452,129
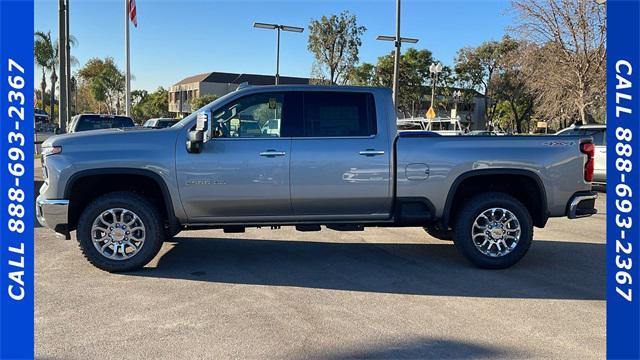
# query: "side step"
345,227
233,229
306,228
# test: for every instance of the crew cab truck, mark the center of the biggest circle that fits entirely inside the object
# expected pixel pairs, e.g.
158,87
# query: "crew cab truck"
307,156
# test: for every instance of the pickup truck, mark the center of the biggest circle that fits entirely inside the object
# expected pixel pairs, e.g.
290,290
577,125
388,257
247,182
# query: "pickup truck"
307,156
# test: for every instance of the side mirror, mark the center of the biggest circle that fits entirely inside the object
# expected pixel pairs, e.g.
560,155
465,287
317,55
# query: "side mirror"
195,142
199,135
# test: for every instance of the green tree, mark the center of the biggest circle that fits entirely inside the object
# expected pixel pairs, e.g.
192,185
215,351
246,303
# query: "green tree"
335,42
147,105
157,104
512,90
478,67
362,75
197,103
414,78
44,54
106,82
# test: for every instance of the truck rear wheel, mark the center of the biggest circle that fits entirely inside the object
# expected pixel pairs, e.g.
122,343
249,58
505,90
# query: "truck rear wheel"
493,230
120,231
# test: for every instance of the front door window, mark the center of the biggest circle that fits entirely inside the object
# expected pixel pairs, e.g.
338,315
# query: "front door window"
252,116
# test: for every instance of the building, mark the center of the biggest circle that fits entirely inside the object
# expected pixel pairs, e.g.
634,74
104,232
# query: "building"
217,83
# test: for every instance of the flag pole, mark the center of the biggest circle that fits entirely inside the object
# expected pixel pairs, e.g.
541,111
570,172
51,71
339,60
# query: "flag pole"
128,68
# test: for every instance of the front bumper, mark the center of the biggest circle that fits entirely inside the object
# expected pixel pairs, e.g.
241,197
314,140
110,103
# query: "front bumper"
582,204
53,214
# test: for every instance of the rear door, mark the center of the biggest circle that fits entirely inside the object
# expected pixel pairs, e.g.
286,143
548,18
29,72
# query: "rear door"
340,160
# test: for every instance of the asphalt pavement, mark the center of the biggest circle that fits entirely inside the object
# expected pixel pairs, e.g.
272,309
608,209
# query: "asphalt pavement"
381,294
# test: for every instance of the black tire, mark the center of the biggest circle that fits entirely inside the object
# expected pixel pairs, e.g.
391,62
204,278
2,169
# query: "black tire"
439,233
148,214
468,214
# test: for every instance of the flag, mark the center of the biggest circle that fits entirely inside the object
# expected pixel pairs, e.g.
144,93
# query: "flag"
132,12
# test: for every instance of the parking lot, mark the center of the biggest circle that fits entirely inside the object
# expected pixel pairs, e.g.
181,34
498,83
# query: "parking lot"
381,293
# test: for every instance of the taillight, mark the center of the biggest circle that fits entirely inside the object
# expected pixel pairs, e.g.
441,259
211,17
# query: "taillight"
588,149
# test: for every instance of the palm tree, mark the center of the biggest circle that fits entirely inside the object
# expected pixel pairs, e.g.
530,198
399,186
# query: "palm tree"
44,54
47,57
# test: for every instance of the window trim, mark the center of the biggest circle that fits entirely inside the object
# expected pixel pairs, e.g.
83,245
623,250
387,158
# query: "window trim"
299,114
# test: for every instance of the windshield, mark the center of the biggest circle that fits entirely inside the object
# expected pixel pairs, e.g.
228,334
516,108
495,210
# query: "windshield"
95,122
191,117
148,123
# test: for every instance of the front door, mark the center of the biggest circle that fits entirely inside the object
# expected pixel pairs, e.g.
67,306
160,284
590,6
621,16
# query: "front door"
243,171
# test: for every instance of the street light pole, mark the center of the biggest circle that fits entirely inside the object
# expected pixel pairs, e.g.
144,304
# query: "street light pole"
396,62
277,27
127,96
434,69
278,58
62,58
398,40
67,54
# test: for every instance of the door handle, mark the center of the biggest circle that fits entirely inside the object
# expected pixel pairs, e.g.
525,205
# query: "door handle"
371,152
272,153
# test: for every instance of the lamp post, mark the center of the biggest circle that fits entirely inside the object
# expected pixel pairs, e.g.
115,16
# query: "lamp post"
396,63
457,96
278,27
398,40
434,69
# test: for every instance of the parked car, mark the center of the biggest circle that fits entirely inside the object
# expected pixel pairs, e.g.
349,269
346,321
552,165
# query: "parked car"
160,123
599,134
333,157
41,116
85,122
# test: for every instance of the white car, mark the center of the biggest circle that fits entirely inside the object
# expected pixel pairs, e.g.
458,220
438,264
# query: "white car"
160,123
599,134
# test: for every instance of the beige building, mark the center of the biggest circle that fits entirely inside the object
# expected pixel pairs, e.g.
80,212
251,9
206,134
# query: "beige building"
217,83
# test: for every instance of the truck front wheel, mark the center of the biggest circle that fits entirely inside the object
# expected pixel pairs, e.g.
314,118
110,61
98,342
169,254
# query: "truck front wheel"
120,231
493,230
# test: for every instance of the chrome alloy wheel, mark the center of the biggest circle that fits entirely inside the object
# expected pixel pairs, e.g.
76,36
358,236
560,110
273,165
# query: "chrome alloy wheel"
118,234
496,232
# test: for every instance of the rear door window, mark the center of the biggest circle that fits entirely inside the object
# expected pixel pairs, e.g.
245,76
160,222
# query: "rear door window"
335,114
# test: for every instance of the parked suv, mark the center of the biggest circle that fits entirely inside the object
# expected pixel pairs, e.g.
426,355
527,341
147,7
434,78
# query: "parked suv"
84,122
599,134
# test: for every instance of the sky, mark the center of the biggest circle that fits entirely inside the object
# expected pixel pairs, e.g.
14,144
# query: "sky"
179,38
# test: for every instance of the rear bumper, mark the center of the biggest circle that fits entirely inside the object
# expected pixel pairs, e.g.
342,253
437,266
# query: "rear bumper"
53,214
582,204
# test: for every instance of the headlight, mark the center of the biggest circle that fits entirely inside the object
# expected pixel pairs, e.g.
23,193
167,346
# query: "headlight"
51,150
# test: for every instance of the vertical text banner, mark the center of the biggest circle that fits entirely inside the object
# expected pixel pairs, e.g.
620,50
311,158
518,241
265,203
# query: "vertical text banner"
16,179
623,180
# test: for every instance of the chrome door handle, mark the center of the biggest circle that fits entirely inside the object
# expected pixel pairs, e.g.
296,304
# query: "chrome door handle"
271,153
370,152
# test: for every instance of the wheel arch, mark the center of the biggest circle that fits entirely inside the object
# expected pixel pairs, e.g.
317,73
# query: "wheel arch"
166,205
535,203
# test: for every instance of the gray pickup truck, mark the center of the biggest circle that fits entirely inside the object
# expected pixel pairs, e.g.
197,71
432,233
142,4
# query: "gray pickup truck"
307,156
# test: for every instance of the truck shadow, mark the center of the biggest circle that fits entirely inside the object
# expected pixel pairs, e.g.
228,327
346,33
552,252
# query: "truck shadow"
425,348
551,269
